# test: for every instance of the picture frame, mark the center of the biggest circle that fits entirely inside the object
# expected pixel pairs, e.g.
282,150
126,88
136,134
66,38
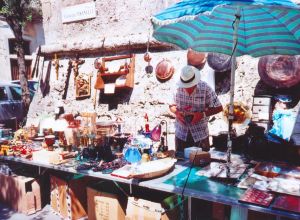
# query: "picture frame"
83,86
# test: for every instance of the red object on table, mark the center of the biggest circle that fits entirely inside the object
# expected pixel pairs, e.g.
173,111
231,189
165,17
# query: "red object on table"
257,197
288,203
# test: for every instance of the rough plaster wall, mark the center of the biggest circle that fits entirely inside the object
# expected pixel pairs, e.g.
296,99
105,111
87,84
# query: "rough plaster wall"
148,96
118,22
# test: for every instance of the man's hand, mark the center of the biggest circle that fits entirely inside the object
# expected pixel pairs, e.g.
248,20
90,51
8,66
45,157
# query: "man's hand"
180,117
197,117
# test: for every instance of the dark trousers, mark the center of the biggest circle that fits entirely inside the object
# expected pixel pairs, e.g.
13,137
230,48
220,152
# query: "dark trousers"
180,144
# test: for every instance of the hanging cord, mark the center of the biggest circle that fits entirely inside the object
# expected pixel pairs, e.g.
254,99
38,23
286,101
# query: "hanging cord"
121,189
148,42
185,183
186,180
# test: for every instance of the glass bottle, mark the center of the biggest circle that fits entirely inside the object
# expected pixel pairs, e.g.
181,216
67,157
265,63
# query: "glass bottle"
156,133
146,123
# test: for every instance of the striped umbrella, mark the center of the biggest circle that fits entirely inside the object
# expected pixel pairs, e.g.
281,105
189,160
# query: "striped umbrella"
233,27
265,27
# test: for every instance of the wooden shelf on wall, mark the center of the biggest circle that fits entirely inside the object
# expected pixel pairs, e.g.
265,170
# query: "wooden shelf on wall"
105,77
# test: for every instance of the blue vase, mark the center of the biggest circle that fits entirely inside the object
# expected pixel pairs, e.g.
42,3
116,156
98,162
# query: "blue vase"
132,154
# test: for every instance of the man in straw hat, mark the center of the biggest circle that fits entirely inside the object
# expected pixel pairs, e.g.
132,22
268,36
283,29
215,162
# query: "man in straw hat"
193,103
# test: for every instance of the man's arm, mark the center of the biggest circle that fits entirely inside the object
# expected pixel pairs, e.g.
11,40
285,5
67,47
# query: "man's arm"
213,110
178,114
208,112
213,103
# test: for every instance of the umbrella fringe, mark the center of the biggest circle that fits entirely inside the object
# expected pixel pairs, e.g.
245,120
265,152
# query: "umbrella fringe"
172,21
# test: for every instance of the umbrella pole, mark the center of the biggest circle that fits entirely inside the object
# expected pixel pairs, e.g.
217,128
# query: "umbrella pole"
232,80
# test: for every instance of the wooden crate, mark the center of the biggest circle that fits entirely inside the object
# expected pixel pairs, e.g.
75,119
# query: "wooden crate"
22,194
68,197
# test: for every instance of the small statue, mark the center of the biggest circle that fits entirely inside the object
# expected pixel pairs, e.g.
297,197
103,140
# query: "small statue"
56,65
75,66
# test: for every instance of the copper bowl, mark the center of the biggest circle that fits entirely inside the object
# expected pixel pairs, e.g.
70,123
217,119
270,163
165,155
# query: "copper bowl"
279,71
196,59
219,62
164,69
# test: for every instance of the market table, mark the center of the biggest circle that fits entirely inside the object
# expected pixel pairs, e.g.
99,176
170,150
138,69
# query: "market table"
198,187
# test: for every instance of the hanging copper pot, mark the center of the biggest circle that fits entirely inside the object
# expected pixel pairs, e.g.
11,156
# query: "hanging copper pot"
279,71
196,59
148,57
149,69
219,62
164,69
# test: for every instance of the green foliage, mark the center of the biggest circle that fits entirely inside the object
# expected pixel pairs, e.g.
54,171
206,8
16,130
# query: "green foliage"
21,11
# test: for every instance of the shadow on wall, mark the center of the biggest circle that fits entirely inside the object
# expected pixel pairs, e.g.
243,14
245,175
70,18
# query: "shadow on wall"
44,82
119,97
222,82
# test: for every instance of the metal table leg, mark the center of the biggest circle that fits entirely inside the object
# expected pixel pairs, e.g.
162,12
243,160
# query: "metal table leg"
189,207
238,213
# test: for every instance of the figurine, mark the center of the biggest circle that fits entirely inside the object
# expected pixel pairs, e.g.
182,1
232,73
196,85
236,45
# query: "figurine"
75,66
56,65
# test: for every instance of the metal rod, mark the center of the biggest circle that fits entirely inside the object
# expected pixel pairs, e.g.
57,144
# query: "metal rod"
232,80
189,207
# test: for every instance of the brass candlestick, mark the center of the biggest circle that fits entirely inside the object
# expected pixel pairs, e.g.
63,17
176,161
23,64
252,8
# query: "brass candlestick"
56,65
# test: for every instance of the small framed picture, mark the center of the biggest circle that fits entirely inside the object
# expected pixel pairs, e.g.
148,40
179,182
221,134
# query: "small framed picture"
83,86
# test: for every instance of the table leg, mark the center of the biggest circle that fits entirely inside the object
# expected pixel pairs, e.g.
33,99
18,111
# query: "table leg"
189,207
238,213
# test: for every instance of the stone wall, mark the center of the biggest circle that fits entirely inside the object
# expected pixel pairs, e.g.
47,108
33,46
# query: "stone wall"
148,96
118,23
122,27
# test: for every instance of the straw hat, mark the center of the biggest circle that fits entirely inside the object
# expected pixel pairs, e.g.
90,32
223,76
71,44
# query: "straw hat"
189,77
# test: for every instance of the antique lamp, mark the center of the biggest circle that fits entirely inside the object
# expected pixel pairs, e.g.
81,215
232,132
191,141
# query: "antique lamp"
59,126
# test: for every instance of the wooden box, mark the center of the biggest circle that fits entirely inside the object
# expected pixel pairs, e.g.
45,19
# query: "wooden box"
22,194
261,111
105,205
68,197
141,209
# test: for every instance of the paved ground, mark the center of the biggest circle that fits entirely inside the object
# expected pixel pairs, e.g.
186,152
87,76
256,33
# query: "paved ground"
45,214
